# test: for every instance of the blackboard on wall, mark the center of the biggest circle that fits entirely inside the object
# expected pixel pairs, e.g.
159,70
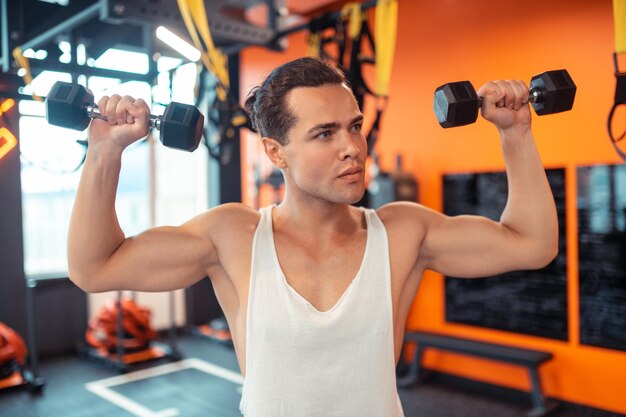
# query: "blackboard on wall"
602,255
529,302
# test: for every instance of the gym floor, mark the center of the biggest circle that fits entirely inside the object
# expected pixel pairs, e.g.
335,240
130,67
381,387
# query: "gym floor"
201,390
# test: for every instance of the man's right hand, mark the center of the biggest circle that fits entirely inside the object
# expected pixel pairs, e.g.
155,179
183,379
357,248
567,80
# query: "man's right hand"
127,122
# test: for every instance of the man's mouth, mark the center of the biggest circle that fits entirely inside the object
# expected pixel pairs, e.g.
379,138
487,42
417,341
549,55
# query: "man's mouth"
351,174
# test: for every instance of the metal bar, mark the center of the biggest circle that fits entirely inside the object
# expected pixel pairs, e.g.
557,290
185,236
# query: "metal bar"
230,174
30,320
119,348
273,13
536,394
5,37
73,56
76,20
174,352
235,48
413,373
37,67
148,31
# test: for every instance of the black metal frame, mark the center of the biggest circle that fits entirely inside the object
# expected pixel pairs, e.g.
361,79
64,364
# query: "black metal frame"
67,25
170,348
4,26
229,183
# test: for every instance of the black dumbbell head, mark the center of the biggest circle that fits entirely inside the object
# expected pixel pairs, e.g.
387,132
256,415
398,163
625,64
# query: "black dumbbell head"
556,92
181,126
65,105
456,104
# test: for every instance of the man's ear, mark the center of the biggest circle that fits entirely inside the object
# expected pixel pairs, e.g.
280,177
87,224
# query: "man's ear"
275,152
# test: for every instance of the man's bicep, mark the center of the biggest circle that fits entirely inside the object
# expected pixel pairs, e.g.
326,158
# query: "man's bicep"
162,258
470,246
159,259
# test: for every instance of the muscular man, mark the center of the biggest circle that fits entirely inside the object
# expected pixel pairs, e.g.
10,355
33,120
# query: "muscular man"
316,292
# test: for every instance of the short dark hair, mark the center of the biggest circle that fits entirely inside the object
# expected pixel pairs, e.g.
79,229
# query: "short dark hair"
266,104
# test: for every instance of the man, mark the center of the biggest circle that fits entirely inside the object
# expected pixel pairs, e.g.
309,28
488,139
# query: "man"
316,292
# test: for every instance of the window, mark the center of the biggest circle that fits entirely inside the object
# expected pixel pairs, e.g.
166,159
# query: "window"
50,156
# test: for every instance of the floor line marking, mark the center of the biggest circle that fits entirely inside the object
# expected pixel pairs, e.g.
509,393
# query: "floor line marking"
129,405
102,387
144,373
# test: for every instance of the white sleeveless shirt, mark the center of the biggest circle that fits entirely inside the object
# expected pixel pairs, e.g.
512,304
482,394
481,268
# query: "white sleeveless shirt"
301,362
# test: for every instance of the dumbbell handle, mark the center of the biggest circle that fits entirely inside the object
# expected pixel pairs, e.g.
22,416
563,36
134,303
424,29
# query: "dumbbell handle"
535,95
94,112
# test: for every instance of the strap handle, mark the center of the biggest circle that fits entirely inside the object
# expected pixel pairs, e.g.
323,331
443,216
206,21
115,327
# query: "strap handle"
619,16
385,34
352,12
193,13
23,63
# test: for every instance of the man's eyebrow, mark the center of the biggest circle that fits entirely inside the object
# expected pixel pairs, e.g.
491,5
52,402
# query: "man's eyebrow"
324,126
357,119
334,125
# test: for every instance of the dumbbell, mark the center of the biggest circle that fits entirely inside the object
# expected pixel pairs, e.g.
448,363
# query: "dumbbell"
457,104
72,106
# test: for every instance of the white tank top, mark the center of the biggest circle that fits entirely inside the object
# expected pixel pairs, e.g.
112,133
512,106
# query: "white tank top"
301,362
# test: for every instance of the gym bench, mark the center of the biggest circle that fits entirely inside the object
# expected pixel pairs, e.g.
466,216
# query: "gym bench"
529,358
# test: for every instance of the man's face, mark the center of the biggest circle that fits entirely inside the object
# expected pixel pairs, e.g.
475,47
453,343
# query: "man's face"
326,149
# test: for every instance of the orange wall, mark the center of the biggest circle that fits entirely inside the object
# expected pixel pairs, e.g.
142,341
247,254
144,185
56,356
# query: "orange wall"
449,40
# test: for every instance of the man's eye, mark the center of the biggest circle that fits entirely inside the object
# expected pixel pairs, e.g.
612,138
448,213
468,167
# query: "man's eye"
357,127
324,135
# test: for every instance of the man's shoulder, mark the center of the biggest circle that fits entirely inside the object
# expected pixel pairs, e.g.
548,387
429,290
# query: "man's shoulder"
228,219
407,225
235,211
401,213
233,215
402,217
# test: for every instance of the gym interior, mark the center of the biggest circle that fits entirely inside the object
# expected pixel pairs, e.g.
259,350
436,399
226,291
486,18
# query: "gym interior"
550,341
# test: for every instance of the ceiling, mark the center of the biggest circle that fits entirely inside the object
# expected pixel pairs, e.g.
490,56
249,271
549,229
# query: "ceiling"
306,7
41,24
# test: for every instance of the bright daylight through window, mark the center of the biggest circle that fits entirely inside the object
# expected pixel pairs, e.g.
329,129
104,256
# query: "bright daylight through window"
51,158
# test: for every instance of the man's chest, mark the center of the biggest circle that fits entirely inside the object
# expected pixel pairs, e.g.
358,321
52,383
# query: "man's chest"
321,275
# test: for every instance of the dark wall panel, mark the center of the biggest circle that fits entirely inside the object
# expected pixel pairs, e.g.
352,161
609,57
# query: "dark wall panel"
602,255
529,302
60,316
201,303
12,284
59,308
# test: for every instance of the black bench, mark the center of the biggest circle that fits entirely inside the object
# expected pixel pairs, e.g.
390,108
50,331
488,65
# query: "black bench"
529,358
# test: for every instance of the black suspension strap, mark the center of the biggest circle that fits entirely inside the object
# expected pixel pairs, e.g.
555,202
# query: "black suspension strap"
619,14
620,100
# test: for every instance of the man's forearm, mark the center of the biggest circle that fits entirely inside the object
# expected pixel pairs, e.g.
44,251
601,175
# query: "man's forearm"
94,232
530,210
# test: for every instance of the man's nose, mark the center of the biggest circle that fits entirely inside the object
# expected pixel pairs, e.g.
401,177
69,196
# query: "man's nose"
350,146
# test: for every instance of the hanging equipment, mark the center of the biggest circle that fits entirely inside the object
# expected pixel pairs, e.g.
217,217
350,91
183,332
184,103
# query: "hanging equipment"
226,113
619,15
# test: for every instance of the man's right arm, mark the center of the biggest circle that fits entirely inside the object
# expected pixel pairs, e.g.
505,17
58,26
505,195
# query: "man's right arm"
100,257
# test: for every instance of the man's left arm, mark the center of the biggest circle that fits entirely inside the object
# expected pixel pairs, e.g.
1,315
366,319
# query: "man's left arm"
527,235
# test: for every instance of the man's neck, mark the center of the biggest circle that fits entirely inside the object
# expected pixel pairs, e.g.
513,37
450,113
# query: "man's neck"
315,217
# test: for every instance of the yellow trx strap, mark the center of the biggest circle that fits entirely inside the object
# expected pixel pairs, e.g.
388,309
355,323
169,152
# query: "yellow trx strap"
353,12
194,16
219,60
385,35
22,62
186,15
314,44
619,15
